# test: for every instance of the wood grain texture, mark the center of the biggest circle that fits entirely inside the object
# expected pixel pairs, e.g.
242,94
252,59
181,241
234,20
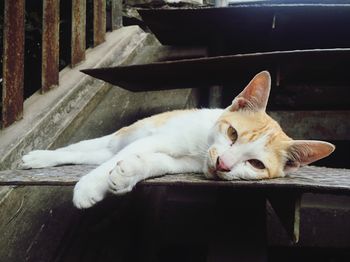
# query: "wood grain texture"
13,62
50,45
307,179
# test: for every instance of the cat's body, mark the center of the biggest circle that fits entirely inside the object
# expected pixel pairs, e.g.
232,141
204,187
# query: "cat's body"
240,142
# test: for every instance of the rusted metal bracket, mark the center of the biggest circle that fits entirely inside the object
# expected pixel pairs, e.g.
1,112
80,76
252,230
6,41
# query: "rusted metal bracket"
287,208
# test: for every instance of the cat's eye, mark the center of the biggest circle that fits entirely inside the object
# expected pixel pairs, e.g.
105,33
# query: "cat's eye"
256,163
232,134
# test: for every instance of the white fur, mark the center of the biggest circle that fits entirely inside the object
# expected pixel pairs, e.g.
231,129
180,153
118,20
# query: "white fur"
180,145
184,142
237,157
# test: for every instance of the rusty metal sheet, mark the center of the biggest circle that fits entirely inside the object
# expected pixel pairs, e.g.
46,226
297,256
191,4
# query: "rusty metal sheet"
301,66
78,31
253,27
99,21
117,14
50,45
13,62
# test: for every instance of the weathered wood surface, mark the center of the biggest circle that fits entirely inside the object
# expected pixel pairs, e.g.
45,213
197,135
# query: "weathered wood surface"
275,26
50,45
307,179
219,70
13,62
78,40
322,125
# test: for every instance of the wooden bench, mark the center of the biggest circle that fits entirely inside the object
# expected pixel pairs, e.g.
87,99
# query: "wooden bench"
241,203
233,228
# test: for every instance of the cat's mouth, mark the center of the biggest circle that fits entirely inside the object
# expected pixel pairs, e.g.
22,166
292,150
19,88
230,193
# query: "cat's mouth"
216,173
216,169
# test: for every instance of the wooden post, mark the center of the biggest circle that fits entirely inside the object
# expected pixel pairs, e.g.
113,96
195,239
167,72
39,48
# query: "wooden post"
99,21
50,45
215,92
117,14
13,62
78,44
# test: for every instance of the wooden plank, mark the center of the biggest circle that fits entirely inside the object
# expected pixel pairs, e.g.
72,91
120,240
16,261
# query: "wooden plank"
50,45
238,229
321,125
232,70
78,31
307,179
215,96
301,95
13,62
46,228
287,207
99,21
117,14
241,26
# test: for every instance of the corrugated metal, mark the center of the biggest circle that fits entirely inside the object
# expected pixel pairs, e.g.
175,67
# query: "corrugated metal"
13,62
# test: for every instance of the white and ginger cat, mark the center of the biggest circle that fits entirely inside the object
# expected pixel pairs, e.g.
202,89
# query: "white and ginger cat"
239,142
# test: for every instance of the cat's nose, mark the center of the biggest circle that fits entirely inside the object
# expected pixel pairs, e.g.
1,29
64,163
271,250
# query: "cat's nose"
221,165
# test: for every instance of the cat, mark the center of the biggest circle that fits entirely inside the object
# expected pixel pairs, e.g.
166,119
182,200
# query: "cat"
239,142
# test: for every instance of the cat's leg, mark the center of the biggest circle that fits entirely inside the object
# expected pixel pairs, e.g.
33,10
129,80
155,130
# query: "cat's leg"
135,162
92,187
136,167
93,151
119,176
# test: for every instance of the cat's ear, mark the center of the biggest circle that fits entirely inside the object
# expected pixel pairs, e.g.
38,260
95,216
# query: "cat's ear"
255,95
304,152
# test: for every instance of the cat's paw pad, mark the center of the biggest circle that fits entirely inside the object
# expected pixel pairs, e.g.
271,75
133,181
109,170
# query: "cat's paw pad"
126,174
87,193
38,159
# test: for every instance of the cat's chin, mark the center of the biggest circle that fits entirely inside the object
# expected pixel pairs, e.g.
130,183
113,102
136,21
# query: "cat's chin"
210,173
224,176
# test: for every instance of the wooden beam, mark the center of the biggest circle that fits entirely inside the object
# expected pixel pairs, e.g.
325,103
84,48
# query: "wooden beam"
99,21
321,125
13,62
78,31
117,14
230,70
287,207
306,179
50,45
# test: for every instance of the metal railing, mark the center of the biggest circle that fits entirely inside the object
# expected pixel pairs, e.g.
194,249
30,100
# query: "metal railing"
13,46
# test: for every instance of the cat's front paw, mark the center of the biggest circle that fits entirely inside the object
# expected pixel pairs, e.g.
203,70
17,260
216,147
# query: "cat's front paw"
88,191
126,174
39,159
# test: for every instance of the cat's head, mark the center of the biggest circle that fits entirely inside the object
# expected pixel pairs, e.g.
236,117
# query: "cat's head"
246,143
